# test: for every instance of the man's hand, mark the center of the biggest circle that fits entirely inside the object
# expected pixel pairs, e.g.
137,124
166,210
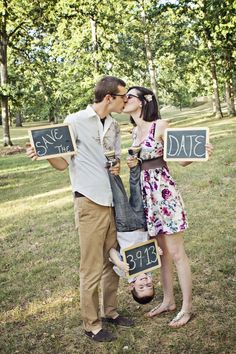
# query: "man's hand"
30,152
115,170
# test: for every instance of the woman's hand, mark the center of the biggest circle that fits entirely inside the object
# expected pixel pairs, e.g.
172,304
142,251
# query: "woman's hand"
209,149
132,161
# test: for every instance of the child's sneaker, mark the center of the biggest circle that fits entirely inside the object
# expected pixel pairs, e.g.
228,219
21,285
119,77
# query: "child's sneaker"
134,151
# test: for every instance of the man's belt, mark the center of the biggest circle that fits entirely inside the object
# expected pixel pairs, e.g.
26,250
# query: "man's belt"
153,163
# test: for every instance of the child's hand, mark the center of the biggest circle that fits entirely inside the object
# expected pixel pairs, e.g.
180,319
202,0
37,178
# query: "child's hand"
159,250
123,266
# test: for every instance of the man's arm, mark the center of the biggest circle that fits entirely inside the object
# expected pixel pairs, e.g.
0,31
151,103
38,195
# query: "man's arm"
57,162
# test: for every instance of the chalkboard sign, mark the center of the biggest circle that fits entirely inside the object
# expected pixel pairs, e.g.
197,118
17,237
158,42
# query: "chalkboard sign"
52,141
142,257
186,144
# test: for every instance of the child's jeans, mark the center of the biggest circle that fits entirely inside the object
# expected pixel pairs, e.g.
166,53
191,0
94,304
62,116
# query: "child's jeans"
129,214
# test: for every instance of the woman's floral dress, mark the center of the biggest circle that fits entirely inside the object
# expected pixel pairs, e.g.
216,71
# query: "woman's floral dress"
163,205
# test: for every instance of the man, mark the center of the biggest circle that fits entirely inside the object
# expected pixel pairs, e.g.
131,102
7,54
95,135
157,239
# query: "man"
95,132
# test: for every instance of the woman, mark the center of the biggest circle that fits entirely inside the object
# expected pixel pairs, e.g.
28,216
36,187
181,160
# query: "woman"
163,205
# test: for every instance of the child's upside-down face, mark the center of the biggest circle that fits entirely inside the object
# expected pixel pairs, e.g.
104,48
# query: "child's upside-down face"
143,285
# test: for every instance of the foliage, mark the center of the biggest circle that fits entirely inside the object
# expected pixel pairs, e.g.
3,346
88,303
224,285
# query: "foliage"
58,49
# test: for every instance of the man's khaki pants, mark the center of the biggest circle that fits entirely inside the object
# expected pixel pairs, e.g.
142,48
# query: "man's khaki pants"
97,235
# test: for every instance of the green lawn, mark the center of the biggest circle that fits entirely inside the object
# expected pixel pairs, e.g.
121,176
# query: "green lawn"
39,282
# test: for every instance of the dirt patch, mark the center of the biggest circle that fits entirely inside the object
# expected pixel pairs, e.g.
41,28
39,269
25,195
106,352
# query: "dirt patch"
233,164
11,150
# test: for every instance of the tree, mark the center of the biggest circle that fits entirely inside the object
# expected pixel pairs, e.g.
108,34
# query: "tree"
4,39
20,22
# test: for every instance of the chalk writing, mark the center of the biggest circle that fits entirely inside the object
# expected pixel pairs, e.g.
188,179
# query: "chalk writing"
185,144
52,140
142,257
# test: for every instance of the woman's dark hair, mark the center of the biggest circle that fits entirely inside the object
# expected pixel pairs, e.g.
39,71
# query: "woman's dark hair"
107,85
149,110
142,300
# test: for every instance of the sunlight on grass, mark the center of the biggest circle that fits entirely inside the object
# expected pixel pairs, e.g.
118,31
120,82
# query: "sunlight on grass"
221,133
47,309
185,122
29,168
32,203
24,137
41,195
224,122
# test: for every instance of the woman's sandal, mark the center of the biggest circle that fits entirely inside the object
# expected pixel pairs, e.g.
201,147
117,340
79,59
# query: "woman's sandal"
154,312
179,317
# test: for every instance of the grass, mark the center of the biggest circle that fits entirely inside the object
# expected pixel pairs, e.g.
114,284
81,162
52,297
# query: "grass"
39,292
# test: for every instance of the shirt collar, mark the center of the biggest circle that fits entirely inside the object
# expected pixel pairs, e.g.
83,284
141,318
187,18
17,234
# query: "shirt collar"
91,113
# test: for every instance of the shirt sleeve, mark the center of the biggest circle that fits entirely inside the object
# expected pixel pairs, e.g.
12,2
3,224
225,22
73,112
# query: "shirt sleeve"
70,120
117,141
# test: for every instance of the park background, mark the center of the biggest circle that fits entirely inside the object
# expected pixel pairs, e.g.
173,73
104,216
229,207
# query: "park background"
51,54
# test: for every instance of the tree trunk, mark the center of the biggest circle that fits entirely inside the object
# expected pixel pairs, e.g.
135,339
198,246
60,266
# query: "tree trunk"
151,66
216,97
3,75
229,88
95,44
5,122
229,93
51,115
18,119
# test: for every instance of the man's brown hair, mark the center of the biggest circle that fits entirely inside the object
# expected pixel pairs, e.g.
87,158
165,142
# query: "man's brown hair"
107,85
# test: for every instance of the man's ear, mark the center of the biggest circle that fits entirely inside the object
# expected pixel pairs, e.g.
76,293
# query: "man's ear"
108,98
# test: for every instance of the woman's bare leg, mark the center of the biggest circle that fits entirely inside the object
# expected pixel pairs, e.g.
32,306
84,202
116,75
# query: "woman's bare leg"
168,303
175,246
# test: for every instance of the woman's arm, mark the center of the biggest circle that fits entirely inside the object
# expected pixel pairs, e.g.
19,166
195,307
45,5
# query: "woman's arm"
209,149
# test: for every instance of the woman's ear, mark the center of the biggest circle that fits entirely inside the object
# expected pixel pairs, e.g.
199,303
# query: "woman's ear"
131,287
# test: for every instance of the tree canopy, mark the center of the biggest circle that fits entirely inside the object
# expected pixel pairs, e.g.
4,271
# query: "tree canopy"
52,52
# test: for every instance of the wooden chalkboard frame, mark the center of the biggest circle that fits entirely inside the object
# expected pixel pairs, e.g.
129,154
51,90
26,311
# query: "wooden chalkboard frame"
52,127
166,158
141,244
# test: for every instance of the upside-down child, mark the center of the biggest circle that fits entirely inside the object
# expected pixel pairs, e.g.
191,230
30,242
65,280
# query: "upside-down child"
131,228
